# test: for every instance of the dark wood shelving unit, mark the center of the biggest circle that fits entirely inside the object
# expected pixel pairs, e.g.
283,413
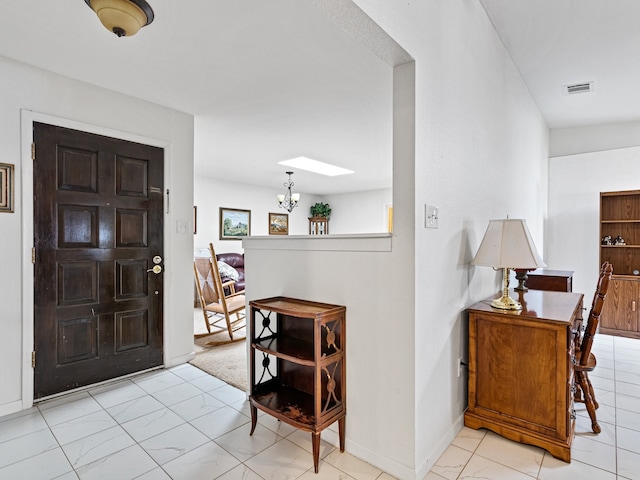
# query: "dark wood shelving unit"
620,216
297,365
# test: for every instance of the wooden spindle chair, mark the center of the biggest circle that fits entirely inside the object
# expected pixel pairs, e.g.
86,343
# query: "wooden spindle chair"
585,361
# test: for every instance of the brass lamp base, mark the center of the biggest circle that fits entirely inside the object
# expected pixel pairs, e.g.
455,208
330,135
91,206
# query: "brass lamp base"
506,302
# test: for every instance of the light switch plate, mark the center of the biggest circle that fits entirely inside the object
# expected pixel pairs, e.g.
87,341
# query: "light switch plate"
182,227
430,216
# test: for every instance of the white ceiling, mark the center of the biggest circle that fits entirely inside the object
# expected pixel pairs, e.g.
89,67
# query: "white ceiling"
561,42
268,81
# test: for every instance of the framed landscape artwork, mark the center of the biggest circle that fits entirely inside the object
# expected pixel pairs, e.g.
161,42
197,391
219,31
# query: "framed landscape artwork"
6,187
234,223
278,224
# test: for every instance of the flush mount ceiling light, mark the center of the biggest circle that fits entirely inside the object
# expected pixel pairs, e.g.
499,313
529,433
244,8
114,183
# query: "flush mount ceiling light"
304,163
122,17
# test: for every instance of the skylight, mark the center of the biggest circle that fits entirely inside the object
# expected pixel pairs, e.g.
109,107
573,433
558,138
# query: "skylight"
304,163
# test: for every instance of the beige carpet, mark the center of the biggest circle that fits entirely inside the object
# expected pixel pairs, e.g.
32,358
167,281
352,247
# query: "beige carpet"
226,362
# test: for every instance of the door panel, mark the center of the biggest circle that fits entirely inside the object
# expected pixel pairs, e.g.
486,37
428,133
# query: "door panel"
621,310
98,222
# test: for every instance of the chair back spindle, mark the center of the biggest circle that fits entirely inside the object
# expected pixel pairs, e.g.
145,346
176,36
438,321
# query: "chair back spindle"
594,314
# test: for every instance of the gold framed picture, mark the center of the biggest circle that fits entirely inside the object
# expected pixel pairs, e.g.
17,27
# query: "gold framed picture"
6,187
234,223
278,224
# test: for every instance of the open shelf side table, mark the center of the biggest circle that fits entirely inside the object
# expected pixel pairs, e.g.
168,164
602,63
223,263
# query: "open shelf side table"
297,365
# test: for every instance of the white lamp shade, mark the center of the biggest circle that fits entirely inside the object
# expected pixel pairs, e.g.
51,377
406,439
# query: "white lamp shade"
507,243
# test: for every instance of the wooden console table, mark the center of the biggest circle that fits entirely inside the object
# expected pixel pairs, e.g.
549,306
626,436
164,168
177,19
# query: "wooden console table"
299,376
521,371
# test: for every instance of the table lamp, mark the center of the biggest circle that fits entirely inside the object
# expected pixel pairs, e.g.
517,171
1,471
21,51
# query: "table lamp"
507,244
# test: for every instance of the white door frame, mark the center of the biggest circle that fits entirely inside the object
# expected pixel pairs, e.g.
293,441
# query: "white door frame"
27,118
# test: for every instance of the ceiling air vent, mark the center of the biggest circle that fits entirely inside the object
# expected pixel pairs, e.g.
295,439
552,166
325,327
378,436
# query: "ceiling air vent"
579,88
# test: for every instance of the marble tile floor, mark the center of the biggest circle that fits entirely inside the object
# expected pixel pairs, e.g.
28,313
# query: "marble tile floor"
182,423
612,454
178,423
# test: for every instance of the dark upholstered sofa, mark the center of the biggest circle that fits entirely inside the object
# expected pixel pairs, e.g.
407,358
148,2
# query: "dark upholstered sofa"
236,261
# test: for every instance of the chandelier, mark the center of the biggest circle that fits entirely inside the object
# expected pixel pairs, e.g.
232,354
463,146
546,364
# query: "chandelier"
289,200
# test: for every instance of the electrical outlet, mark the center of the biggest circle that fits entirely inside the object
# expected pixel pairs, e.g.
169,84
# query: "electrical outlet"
460,363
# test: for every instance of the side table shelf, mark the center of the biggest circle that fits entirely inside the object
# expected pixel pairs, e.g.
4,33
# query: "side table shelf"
297,365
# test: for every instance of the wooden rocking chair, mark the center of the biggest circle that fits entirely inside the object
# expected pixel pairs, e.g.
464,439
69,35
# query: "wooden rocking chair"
221,312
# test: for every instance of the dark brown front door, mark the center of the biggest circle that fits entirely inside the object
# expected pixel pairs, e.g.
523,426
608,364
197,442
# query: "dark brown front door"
98,221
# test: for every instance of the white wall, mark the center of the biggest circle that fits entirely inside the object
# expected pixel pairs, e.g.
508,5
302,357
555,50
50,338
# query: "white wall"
480,153
210,194
375,282
358,212
29,94
594,138
573,230
584,162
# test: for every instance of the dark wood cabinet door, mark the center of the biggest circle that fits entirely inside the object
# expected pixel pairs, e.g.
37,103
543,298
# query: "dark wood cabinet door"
98,224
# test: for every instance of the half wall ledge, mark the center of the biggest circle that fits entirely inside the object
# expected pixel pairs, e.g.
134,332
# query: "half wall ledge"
374,242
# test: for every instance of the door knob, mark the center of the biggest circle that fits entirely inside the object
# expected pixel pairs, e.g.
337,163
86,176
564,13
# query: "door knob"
156,269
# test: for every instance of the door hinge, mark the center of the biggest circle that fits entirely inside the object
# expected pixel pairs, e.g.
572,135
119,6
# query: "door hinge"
33,255
33,359
33,151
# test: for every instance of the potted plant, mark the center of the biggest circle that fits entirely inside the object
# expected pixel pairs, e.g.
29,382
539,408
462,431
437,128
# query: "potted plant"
320,209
